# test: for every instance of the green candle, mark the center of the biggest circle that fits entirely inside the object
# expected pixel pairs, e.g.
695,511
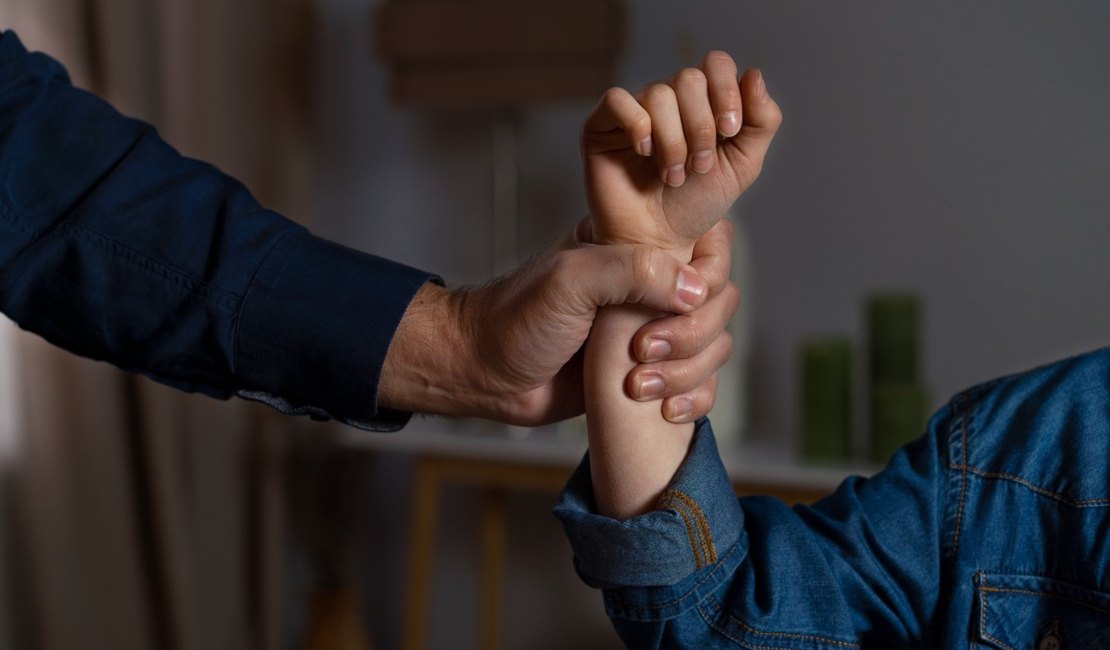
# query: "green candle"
826,396
898,402
894,337
898,413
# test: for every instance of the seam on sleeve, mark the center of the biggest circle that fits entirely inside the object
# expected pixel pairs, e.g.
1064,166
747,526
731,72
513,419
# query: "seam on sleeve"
191,284
246,295
1033,487
193,288
701,539
748,628
964,415
623,604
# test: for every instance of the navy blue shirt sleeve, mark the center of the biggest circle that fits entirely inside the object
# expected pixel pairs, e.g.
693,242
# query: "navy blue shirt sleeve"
116,247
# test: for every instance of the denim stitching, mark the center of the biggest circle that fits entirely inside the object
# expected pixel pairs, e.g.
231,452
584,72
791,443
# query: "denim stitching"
712,624
1078,503
706,542
983,617
782,635
706,533
1044,594
1027,592
623,605
963,481
699,562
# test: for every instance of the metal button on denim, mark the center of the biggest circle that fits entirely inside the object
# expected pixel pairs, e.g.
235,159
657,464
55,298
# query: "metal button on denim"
1052,640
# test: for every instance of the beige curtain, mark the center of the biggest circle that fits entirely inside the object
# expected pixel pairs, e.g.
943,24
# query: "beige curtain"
146,518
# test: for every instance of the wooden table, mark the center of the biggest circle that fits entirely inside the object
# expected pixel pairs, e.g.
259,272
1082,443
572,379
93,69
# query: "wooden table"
499,460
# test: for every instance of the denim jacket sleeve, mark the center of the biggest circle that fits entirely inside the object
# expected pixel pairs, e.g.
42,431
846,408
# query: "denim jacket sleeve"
987,532
708,570
116,247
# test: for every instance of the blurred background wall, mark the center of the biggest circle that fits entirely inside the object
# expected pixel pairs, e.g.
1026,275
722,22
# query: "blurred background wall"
953,149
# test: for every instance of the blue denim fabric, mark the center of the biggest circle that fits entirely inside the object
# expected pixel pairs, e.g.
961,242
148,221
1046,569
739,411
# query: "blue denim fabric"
991,531
116,247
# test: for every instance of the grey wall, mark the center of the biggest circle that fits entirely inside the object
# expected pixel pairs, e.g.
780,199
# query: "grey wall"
956,149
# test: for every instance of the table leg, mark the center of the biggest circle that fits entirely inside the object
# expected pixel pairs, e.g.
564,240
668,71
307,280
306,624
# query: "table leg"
494,548
421,553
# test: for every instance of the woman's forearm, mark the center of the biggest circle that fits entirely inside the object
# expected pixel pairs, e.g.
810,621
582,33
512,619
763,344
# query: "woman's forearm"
634,452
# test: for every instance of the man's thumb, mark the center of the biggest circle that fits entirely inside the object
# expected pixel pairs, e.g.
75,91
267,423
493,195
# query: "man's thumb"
618,274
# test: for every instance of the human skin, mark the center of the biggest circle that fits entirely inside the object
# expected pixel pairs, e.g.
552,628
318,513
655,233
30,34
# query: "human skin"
661,168
511,350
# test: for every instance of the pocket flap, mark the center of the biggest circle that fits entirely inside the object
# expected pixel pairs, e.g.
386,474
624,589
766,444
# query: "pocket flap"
1017,611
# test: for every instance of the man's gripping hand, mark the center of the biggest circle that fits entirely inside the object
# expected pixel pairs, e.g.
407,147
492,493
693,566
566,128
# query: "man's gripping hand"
510,350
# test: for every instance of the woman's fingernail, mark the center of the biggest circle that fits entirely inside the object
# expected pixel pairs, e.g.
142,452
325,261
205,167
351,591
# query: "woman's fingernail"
645,147
703,161
728,124
681,409
650,386
691,287
657,349
762,86
675,175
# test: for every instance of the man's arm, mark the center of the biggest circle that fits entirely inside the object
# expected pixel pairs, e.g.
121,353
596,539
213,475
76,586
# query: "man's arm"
516,342
116,247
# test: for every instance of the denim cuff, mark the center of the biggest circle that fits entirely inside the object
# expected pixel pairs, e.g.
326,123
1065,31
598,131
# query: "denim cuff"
697,525
315,327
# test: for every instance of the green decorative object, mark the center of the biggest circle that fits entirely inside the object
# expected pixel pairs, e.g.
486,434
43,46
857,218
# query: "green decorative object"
898,415
826,394
894,337
898,396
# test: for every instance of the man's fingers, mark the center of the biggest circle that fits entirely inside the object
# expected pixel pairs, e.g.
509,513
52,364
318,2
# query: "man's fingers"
691,90
617,274
671,378
693,405
724,92
617,122
712,256
686,335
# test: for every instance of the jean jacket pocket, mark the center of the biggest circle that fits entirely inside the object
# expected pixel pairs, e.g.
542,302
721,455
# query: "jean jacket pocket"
1019,611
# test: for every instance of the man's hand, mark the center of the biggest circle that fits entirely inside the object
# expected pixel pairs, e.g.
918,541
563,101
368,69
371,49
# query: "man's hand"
510,350
665,164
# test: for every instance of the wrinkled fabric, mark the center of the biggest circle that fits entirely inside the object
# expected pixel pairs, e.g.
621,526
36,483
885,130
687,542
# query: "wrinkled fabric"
115,247
990,531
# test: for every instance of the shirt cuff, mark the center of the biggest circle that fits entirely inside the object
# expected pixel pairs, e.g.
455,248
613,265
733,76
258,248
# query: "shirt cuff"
697,526
314,329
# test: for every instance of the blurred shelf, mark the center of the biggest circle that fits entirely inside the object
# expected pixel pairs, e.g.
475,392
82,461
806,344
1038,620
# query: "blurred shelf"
561,446
498,460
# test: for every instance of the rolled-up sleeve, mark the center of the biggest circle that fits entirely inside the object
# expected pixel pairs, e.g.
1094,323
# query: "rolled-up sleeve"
116,247
683,550
708,570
